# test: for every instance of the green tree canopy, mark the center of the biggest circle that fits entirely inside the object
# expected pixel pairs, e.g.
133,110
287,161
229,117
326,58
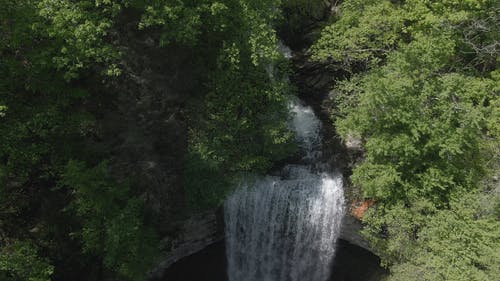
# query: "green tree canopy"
423,96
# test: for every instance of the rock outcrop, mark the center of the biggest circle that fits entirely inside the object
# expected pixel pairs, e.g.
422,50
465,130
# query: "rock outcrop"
196,233
350,232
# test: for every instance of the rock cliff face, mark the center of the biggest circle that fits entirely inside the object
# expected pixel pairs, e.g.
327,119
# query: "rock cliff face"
142,126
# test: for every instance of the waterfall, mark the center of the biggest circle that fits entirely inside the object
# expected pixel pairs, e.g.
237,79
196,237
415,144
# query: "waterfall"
284,228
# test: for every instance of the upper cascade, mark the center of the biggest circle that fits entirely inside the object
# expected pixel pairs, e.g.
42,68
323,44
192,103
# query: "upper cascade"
307,128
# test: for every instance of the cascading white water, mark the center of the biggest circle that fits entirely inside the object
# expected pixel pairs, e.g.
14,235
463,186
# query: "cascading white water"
285,228
307,128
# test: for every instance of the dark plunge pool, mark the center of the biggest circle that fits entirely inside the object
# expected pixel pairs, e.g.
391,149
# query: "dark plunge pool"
351,263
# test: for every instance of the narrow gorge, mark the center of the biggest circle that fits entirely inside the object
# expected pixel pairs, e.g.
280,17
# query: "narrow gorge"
249,140
289,225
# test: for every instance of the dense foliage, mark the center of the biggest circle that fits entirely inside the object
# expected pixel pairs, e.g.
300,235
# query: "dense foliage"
59,219
63,216
239,125
423,96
